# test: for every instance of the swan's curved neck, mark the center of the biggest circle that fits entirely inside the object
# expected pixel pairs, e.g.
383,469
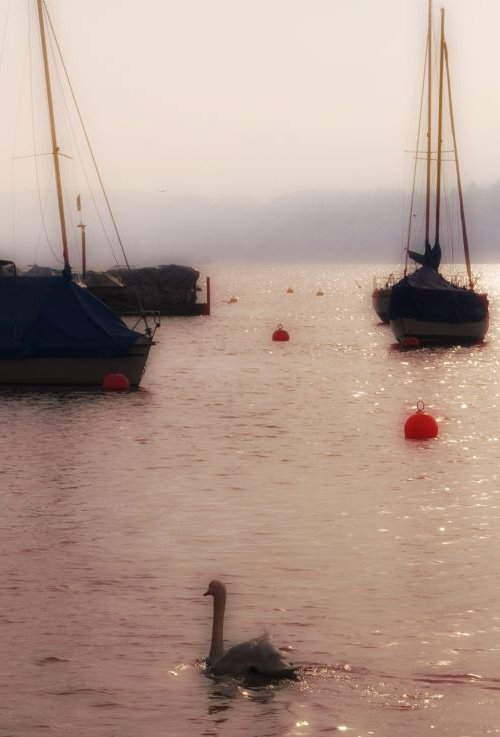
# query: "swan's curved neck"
217,646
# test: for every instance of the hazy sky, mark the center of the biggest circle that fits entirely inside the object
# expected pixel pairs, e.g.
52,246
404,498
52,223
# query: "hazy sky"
261,97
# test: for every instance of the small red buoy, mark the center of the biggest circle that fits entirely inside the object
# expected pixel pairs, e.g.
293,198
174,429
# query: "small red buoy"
421,426
116,383
410,341
280,334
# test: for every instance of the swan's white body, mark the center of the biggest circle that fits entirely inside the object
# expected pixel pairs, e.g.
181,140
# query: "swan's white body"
258,656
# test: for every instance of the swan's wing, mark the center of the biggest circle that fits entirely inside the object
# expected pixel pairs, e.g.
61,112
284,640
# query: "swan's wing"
254,656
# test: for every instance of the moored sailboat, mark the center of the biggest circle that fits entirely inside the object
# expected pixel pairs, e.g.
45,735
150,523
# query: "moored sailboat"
53,331
424,305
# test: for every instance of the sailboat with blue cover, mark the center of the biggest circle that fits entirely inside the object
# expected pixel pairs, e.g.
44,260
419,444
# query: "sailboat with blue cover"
52,330
425,307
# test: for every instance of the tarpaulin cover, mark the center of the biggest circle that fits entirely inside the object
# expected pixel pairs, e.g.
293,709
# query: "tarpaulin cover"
53,316
158,287
162,284
103,280
426,295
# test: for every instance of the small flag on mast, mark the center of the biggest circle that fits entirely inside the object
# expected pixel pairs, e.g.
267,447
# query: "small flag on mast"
78,203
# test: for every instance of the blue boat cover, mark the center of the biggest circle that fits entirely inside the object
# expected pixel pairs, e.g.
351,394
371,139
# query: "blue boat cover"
426,295
53,316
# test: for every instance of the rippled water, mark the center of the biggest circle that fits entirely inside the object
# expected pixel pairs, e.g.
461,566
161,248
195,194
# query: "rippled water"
281,469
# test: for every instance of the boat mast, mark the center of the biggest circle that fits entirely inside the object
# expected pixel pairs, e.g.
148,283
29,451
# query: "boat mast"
429,124
55,147
440,129
459,179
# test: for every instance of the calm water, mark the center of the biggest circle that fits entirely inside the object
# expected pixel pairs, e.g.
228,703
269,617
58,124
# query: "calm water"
281,469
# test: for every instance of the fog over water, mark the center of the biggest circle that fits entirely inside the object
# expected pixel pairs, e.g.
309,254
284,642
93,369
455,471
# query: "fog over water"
301,227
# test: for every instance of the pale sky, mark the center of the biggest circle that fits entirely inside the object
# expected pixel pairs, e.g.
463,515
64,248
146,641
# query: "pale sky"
223,98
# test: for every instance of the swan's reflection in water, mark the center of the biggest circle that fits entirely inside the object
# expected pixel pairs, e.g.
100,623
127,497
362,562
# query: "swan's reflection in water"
226,705
297,697
251,689
267,698
335,697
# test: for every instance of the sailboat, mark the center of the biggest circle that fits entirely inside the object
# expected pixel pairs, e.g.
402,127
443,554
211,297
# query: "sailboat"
425,307
52,330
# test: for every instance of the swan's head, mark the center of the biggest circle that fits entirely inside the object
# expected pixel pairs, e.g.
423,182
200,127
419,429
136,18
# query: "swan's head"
215,589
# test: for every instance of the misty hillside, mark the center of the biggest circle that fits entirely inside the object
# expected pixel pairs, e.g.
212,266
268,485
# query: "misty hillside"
315,227
310,227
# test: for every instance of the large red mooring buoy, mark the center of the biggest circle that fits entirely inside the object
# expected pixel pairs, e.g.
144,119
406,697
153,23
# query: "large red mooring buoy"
421,426
116,383
280,334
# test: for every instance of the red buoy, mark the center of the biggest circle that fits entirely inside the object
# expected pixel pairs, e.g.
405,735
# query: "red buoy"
280,334
116,383
410,341
421,426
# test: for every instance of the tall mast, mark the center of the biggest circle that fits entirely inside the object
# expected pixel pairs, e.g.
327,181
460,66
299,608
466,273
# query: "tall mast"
55,147
440,129
429,124
459,179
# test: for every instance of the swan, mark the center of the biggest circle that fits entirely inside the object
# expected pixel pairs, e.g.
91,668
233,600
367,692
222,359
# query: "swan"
258,656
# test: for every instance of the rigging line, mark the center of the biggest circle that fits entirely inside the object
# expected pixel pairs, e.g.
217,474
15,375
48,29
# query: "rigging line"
444,151
38,242
457,168
13,167
66,197
410,219
429,124
13,186
136,288
37,173
424,158
16,128
134,284
4,34
447,208
86,136
80,157
440,128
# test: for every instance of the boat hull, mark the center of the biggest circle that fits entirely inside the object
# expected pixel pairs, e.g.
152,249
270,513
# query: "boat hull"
439,333
165,290
428,307
381,299
75,371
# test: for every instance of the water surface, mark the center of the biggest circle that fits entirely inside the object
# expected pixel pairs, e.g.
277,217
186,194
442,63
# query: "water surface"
281,469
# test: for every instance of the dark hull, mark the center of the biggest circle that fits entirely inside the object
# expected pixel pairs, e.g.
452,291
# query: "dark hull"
123,301
431,309
75,371
439,333
171,310
380,300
